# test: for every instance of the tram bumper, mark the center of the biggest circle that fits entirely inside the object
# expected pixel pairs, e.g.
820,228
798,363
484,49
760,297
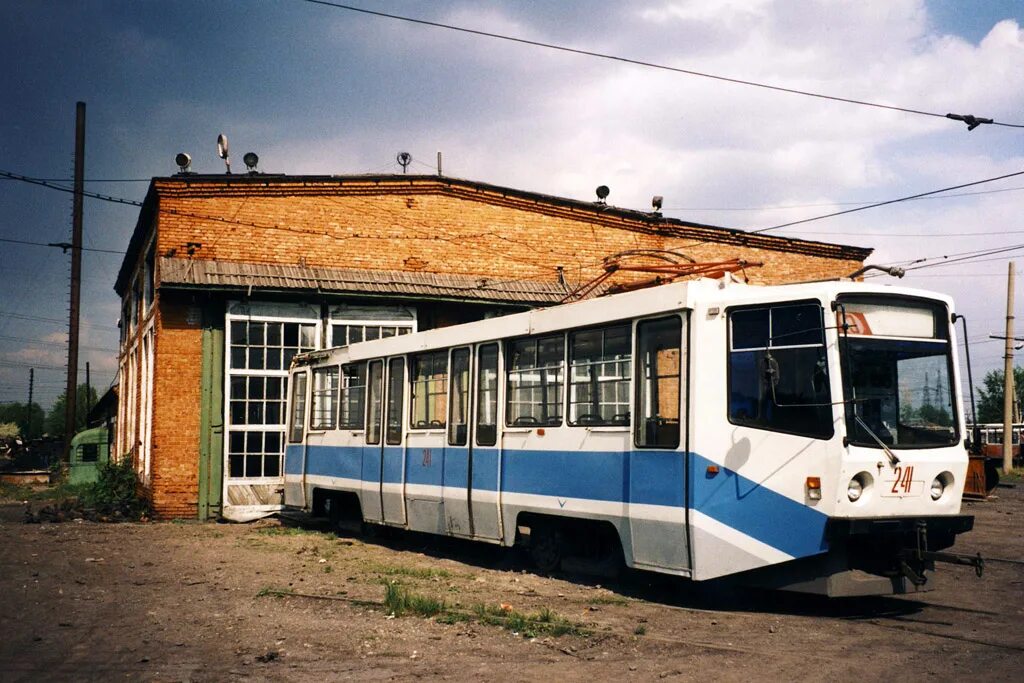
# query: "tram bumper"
881,556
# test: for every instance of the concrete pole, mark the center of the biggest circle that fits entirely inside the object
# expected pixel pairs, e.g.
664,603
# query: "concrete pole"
71,395
1008,389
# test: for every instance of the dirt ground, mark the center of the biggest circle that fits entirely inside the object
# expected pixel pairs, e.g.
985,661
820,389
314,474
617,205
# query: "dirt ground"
216,602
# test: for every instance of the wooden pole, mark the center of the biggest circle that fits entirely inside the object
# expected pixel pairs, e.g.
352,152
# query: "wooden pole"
71,395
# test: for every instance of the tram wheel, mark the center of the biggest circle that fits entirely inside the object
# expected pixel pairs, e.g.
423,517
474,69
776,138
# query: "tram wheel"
546,547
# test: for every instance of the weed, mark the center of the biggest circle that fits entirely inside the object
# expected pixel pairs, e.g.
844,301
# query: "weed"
271,592
292,531
543,622
607,600
640,630
411,572
399,602
328,569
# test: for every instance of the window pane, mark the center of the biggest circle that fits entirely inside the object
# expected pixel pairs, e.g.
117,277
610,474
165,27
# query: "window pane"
291,334
353,396
658,382
272,442
237,387
338,335
273,334
376,382
238,357
325,398
600,371
396,385
785,387
797,325
355,334
429,389
458,429
236,465
257,336
749,328
274,387
255,358
298,407
534,382
487,396
255,387
372,333
238,412
274,359
254,466
272,465
308,337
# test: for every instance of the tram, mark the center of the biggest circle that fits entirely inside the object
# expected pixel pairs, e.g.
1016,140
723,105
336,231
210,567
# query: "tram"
804,437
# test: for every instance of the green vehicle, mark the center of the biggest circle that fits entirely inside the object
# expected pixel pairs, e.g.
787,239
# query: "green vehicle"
89,449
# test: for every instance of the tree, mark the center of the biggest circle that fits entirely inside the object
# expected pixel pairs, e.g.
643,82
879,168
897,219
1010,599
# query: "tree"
30,423
990,395
55,420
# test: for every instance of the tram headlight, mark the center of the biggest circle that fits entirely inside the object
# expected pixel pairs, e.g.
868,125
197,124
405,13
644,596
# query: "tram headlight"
940,483
859,486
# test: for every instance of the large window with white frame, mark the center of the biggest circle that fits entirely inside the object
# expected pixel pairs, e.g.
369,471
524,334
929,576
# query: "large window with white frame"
260,349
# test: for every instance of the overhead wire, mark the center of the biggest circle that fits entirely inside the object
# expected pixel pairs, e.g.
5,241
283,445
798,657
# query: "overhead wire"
971,121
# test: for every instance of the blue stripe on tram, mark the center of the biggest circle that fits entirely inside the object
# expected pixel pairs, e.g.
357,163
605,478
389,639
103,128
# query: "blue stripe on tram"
651,477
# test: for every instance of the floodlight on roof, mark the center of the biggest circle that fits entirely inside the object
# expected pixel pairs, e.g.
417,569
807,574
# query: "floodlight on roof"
184,161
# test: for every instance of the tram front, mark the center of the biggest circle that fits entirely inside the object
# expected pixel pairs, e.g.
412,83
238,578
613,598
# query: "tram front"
904,464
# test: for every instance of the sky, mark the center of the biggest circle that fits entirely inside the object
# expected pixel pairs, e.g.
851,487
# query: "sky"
316,89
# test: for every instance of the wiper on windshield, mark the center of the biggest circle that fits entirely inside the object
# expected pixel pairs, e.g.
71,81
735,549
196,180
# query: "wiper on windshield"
893,460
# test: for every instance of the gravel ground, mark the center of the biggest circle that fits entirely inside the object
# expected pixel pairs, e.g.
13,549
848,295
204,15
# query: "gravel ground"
264,601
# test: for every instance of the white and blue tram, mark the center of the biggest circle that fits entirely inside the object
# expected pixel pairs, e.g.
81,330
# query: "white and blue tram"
804,436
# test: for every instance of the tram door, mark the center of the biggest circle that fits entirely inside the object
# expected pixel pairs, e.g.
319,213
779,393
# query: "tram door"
657,468
392,488
471,458
373,448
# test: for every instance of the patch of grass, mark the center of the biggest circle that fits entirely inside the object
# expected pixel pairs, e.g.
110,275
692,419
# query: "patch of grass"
292,531
270,591
640,630
411,572
400,602
607,600
531,625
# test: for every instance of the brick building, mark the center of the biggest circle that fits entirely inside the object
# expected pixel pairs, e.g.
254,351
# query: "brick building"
228,276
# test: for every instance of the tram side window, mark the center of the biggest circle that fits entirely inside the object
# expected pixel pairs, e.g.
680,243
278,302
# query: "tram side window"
599,372
658,382
778,371
353,396
458,422
298,407
534,381
376,384
429,390
396,399
325,398
487,395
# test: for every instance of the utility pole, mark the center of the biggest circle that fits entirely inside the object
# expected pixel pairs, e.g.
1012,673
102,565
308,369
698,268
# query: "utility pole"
88,389
1008,389
28,418
71,394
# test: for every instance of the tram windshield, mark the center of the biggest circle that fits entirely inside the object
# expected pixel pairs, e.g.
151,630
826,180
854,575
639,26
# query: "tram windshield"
896,367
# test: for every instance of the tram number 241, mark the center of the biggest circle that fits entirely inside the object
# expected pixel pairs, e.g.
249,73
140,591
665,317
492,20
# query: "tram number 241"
903,482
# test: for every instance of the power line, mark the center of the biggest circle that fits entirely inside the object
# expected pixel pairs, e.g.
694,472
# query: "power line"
886,203
70,190
64,344
788,207
21,316
971,120
60,245
92,180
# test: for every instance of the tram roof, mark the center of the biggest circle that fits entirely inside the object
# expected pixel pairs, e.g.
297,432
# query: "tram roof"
699,294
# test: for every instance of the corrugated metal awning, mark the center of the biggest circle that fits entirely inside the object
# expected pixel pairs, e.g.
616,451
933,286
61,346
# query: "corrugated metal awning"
208,274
